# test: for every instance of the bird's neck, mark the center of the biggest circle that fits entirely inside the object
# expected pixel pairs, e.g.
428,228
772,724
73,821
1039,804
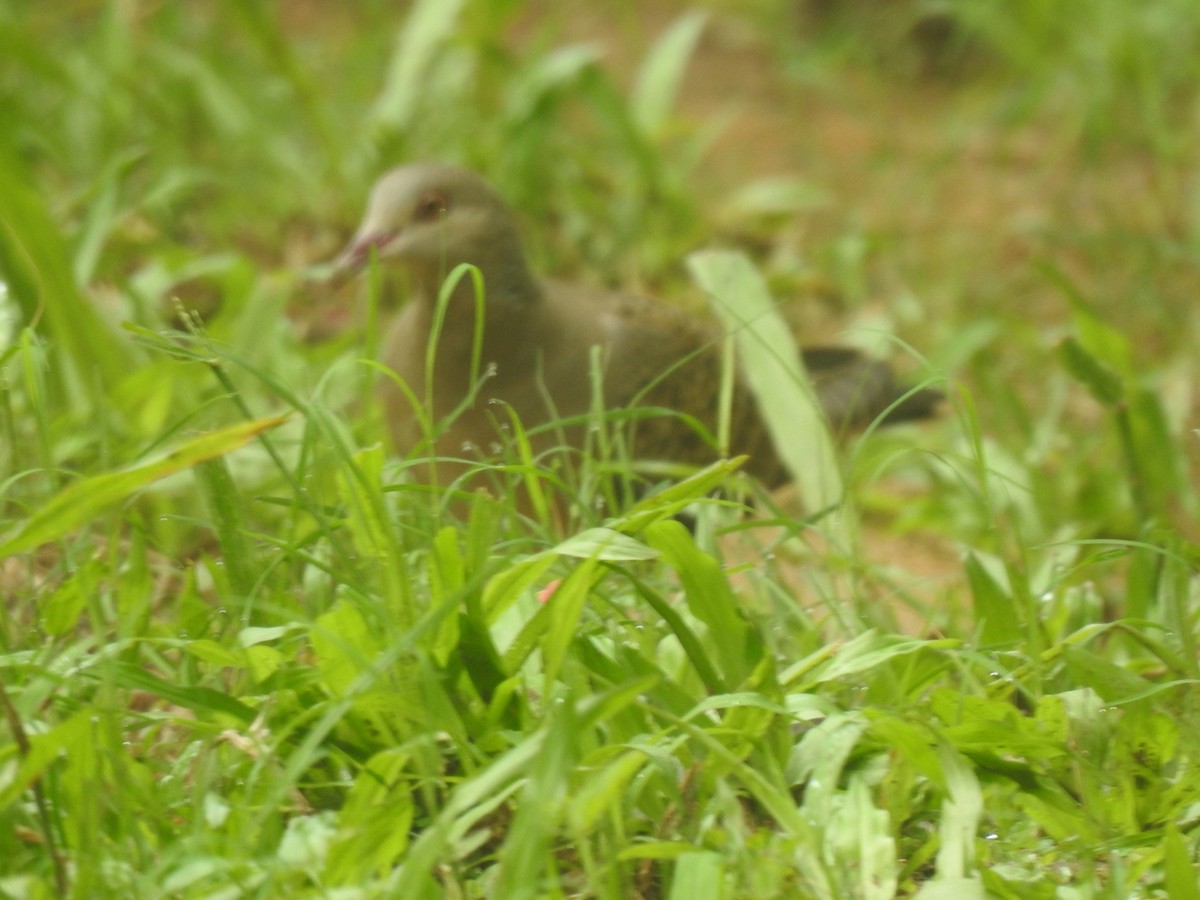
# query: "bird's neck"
502,289
508,284
510,296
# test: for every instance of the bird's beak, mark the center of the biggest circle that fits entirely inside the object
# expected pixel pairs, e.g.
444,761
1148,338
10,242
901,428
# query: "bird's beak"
355,257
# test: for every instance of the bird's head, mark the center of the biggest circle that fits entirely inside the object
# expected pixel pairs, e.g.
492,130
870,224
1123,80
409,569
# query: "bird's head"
429,218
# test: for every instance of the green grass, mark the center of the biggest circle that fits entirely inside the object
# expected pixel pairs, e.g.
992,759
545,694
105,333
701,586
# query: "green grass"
241,654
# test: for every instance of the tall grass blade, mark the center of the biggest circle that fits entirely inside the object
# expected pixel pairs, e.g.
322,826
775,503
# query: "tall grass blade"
662,72
36,265
81,501
771,362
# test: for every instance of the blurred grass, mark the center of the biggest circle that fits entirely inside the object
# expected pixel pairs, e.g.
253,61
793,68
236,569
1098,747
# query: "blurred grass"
283,669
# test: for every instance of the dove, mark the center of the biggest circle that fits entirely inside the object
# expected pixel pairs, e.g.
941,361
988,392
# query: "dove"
534,342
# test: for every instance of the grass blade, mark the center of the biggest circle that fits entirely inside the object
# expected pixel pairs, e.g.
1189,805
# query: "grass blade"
771,362
82,500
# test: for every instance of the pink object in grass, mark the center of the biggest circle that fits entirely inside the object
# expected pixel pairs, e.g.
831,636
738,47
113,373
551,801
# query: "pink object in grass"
548,591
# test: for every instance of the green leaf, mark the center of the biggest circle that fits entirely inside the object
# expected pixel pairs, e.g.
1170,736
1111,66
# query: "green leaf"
780,195
867,651
699,875
602,791
656,850
1113,683
672,500
995,609
374,822
360,487
227,507
506,587
710,598
860,835
249,637
35,265
345,646
470,801
1104,344
60,609
194,697
772,366
961,813
83,500
429,25
565,607
605,544
556,72
1179,869
1163,472
819,759
540,807
1102,382
446,578
662,72
212,652
60,741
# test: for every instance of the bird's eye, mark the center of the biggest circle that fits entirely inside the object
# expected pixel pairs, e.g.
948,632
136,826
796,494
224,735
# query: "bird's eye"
432,205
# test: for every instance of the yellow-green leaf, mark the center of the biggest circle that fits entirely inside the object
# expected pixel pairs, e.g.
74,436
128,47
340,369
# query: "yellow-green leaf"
82,500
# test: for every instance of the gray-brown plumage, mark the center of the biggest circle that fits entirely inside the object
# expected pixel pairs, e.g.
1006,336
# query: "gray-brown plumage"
538,334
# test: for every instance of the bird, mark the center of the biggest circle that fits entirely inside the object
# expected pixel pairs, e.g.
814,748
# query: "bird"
541,339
